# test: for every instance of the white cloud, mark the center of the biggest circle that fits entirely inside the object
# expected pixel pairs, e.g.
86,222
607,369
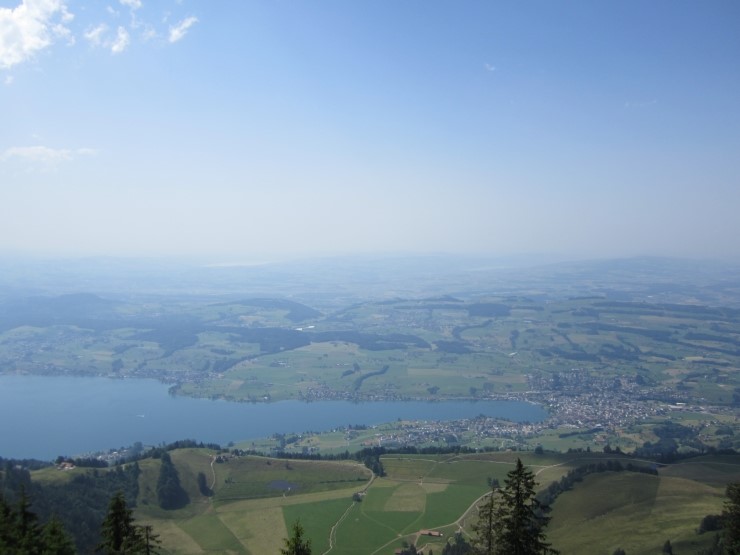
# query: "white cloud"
121,42
149,33
8,80
95,34
30,27
179,30
133,4
44,155
489,67
35,25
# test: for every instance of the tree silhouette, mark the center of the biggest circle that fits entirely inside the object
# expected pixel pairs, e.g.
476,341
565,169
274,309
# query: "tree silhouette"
295,544
731,517
170,493
118,532
488,530
55,539
150,541
512,520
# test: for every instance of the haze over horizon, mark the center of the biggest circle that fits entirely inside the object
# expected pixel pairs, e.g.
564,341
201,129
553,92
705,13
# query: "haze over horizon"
270,130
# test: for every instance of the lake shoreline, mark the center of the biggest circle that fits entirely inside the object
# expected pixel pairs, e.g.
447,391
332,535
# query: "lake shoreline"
93,414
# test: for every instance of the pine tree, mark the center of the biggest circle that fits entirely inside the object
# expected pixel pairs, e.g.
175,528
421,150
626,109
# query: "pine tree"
55,540
27,527
7,526
458,546
296,545
731,518
488,528
21,534
170,493
150,540
119,534
512,520
203,485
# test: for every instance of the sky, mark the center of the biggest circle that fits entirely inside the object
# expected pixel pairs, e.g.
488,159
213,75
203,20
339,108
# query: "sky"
278,129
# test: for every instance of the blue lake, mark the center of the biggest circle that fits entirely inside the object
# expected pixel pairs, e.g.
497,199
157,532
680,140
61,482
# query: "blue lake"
43,417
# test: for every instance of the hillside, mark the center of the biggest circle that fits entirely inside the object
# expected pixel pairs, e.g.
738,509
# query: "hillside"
256,499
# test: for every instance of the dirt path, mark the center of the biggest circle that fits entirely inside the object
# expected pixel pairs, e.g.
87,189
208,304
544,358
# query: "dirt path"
213,472
460,522
333,531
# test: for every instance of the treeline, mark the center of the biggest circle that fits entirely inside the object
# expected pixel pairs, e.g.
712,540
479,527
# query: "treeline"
569,355
657,335
82,462
157,452
670,436
489,309
379,451
22,534
370,456
453,347
79,504
137,453
171,337
358,382
297,312
548,496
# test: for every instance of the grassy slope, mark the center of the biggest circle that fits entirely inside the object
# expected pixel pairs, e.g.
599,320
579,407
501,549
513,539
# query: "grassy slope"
246,513
637,512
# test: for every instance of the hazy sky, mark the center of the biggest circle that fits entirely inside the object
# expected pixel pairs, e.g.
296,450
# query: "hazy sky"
282,128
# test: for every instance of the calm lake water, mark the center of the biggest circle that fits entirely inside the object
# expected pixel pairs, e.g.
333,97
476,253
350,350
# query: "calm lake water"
43,417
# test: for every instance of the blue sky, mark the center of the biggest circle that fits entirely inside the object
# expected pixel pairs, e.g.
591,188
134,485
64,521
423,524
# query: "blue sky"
253,130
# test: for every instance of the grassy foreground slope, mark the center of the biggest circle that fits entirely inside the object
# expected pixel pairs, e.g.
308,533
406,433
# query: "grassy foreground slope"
639,512
245,514
256,499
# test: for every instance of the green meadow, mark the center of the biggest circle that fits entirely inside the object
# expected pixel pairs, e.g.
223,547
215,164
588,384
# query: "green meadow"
256,500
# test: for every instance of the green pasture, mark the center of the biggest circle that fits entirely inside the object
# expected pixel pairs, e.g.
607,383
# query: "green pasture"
52,475
318,518
711,470
189,462
211,534
247,509
636,512
252,477
428,492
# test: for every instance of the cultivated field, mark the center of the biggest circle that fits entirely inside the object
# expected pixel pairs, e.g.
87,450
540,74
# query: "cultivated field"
254,506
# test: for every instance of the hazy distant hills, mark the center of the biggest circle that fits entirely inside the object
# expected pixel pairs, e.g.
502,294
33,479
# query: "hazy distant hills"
79,309
323,282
